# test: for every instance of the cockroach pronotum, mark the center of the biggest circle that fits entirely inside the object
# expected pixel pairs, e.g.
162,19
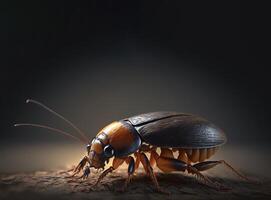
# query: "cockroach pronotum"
128,140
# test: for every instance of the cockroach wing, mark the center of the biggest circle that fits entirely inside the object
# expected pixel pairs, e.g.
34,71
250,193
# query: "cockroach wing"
177,130
153,116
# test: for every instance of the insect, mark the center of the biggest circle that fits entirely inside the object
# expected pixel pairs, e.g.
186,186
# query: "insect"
130,140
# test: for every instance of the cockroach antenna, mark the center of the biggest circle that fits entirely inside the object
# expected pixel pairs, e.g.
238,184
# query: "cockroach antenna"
50,128
82,135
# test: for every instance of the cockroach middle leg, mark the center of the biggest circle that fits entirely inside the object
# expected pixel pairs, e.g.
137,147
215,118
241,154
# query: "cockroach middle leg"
107,171
137,161
148,169
131,169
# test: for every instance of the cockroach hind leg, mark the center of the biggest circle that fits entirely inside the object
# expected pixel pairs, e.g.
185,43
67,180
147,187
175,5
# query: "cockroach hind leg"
202,166
206,180
238,173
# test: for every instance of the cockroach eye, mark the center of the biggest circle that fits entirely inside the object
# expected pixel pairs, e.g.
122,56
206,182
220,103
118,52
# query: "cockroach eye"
108,151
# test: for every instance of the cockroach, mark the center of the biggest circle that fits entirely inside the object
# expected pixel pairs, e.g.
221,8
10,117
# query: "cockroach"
194,138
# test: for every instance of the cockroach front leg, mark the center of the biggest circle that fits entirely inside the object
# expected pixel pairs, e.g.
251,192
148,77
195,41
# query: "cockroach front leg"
116,163
86,173
80,166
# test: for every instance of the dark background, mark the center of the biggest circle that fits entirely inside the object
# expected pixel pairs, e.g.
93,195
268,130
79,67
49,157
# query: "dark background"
96,61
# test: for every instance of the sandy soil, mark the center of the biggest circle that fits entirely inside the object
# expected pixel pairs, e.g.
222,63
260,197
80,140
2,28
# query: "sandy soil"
55,184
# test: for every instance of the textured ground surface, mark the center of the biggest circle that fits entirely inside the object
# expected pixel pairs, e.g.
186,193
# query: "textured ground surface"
49,184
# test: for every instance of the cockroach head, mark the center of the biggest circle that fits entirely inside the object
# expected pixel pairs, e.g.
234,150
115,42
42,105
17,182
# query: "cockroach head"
99,153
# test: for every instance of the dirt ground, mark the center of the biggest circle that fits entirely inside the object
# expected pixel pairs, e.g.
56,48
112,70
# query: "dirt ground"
55,184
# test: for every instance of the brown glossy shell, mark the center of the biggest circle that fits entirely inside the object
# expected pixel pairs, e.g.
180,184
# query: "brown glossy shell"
177,130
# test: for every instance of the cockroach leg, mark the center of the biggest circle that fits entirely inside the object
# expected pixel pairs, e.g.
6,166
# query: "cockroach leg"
137,161
207,181
144,160
234,170
153,156
80,166
107,171
116,163
148,169
68,171
171,164
145,148
86,173
131,169
202,166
